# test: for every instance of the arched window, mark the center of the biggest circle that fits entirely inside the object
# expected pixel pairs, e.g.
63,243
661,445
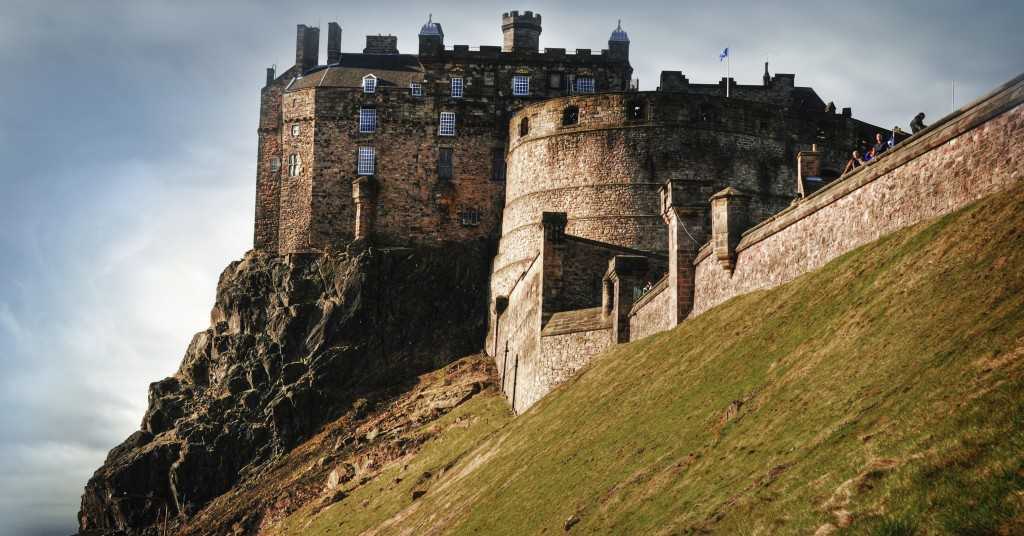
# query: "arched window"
570,116
524,126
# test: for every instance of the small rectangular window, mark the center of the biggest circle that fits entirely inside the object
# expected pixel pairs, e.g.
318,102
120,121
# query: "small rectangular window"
367,161
585,84
447,124
469,217
296,129
294,165
457,88
555,80
416,89
520,85
369,84
498,165
275,164
367,119
488,78
444,163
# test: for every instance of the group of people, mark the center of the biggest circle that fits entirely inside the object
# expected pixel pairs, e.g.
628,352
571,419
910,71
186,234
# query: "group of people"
870,151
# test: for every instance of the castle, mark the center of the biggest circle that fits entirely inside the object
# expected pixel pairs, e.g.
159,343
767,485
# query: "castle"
618,213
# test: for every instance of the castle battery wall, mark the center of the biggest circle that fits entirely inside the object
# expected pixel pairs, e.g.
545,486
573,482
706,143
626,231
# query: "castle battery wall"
605,170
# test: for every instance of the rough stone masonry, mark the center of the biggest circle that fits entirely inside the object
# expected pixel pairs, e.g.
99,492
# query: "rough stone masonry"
558,158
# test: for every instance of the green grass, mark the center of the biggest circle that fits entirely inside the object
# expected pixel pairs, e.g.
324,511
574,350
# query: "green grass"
884,392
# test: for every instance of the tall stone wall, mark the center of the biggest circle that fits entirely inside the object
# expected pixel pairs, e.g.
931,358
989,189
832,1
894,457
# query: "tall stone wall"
970,154
604,170
268,164
295,214
517,340
413,204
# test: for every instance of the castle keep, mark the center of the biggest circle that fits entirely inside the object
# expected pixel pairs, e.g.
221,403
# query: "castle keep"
617,213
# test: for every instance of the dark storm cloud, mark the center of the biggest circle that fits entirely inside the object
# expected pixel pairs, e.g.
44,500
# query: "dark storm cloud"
127,133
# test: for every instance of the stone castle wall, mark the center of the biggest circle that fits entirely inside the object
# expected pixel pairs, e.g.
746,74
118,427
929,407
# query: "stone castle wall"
408,201
971,154
650,314
605,170
296,198
518,334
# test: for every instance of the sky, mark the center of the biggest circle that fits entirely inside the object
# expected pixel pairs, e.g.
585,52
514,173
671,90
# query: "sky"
128,142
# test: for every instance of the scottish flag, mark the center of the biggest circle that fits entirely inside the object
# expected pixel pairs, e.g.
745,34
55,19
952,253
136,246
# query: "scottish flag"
724,54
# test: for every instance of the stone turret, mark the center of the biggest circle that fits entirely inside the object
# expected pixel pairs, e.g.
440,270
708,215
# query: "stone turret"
431,38
521,31
618,43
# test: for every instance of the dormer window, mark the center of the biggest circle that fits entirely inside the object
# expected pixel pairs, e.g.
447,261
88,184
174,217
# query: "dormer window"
457,85
416,89
369,84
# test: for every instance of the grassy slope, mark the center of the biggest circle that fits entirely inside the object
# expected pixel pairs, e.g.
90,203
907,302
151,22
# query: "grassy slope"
885,390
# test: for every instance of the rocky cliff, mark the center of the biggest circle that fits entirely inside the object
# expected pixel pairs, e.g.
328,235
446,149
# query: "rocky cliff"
295,342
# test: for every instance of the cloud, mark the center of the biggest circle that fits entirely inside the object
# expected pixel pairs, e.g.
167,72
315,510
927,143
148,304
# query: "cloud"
128,141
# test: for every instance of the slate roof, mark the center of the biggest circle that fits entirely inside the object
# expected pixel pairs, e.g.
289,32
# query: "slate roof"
391,70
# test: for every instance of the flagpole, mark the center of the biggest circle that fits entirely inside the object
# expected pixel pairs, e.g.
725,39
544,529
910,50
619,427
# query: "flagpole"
728,73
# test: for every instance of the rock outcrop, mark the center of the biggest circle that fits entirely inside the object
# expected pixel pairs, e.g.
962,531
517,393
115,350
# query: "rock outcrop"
295,341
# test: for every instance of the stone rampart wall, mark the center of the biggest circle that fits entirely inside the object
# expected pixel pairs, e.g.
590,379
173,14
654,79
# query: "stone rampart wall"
650,314
970,154
605,170
517,335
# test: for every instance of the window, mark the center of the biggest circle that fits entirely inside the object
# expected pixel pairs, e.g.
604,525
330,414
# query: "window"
708,114
447,124
367,119
416,89
444,163
469,217
524,126
488,79
457,88
555,80
367,161
635,111
275,164
520,85
295,130
498,165
369,84
294,165
570,116
585,84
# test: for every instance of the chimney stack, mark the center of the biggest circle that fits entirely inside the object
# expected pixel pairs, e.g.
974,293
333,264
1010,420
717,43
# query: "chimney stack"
270,75
381,44
333,43
307,47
